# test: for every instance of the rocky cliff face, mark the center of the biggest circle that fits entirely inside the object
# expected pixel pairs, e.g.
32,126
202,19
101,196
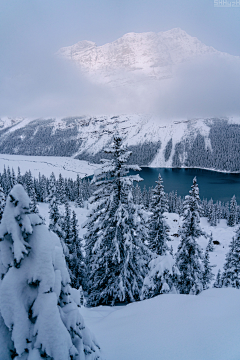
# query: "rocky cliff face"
136,55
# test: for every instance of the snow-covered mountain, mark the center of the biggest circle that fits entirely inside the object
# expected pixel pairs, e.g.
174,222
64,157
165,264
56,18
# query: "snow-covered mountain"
202,143
136,56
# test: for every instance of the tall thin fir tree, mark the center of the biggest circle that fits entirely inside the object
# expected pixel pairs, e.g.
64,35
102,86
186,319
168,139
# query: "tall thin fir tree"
158,228
14,180
61,190
115,250
207,273
232,219
218,280
55,218
189,255
19,177
65,223
2,202
210,246
31,193
162,271
231,274
76,260
79,201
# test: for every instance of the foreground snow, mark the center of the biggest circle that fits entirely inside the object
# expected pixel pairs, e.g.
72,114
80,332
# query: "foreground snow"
170,327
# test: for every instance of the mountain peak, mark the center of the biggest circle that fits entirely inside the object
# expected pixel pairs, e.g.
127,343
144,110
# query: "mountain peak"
149,54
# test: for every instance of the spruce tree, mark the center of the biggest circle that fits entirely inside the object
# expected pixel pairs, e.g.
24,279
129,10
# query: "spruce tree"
210,246
162,271
207,273
79,200
218,281
231,274
61,190
2,202
19,177
14,180
75,259
189,255
39,317
55,218
232,219
116,254
158,227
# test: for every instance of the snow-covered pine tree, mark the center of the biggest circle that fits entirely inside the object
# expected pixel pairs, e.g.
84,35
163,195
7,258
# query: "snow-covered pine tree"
55,218
137,194
19,177
162,275
116,255
189,255
79,200
231,274
212,215
210,246
61,190
76,262
218,281
52,189
66,223
161,278
158,227
2,202
145,198
31,193
232,219
207,273
38,316
6,181
14,180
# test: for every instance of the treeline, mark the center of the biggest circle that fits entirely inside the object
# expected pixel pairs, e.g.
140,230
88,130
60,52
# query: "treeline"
80,190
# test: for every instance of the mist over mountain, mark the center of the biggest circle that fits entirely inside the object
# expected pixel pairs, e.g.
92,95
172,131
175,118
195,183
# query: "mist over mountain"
136,56
170,74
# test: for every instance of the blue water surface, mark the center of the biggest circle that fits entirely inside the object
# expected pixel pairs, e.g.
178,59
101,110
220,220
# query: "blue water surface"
212,184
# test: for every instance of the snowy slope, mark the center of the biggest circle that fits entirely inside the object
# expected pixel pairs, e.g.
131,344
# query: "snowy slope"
150,55
69,168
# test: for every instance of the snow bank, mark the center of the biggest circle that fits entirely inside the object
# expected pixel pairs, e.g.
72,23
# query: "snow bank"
171,327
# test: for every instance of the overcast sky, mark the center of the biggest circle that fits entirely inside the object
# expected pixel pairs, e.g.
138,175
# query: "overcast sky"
31,31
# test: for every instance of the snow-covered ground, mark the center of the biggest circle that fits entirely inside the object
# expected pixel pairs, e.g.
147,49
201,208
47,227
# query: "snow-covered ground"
68,167
171,327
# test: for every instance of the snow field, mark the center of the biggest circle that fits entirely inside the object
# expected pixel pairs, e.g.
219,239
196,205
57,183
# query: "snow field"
68,167
170,327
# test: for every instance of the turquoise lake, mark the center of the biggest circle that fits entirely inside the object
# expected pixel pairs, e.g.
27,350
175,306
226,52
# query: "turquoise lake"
212,184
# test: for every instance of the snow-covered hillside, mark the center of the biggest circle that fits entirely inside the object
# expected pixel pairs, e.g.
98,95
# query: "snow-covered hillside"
202,143
67,167
149,55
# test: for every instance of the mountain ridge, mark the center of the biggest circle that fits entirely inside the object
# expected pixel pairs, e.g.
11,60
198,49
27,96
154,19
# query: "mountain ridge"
203,143
150,55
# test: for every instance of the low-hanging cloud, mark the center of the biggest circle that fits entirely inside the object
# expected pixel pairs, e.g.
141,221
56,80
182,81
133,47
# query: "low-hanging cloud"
46,86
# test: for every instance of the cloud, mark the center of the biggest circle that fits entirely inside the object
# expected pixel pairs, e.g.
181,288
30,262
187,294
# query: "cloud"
43,86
